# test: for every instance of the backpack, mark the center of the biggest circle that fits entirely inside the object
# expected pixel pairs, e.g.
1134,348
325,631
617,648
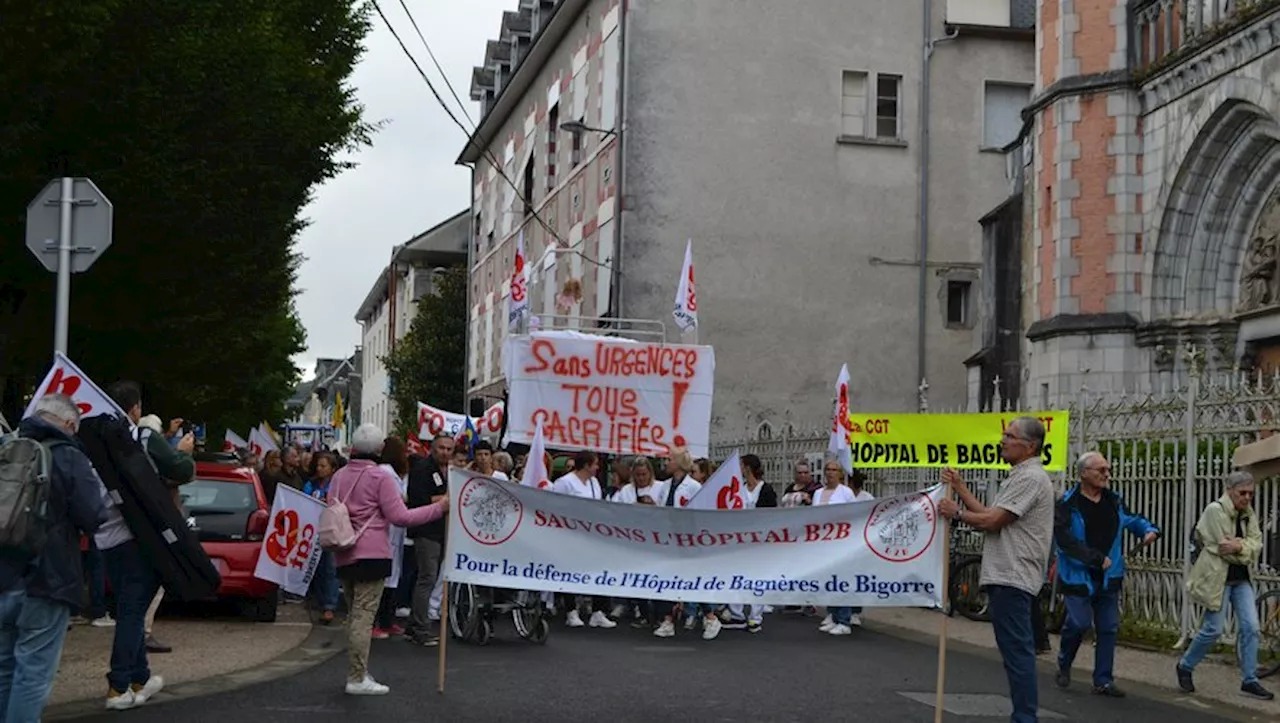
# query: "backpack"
336,533
26,469
1196,547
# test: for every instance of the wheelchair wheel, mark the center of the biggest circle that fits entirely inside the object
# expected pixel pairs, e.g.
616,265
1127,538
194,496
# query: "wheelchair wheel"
464,611
541,630
526,613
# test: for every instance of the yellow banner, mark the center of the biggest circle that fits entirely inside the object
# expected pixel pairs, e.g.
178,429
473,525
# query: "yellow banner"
962,441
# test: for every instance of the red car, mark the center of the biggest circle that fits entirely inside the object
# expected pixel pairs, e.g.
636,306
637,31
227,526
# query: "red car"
229,512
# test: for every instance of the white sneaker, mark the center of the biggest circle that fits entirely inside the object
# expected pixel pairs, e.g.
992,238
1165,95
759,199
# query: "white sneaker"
855,620
154,685
573,619
827,623
600,620
104,622
403,612
368,686
710,628
689,622
666,630
840,630
768,609
123,701
619,611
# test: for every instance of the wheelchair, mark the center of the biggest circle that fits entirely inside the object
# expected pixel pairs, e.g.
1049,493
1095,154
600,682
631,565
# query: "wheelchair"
474,610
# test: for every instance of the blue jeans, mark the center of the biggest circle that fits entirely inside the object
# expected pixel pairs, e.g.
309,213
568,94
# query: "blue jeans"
134,583
96,574
1241,598
31,633
1011,619
326,582
1101,612
843,615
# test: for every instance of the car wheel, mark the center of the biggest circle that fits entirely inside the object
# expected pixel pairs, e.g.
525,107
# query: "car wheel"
263,610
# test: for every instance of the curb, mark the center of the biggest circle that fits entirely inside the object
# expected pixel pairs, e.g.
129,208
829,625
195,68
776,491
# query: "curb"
320,644
1226,709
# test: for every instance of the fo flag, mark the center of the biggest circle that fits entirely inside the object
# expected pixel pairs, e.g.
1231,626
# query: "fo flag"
838,445
685,309
291,551
535,465
724,490
232,441
519,287
66,378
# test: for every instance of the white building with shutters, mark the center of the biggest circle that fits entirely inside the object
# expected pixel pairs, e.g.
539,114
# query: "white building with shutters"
792,147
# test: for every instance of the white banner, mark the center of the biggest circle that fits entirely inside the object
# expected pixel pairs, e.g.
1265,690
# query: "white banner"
881,553
290,551
432,421
65,377
609,395
536,473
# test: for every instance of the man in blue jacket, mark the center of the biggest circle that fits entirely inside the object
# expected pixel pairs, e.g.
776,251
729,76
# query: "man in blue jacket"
1087,529
38,592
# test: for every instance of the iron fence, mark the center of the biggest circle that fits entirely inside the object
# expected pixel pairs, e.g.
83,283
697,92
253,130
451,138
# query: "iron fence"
1166,447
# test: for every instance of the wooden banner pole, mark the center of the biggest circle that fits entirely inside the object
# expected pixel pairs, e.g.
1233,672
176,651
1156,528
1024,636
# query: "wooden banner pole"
444,635
946,605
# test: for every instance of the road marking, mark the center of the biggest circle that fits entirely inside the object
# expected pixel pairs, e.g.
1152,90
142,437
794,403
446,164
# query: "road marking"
290,625
664,649
975,704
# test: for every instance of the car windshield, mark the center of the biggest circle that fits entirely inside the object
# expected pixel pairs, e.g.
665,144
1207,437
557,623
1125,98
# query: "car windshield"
214,496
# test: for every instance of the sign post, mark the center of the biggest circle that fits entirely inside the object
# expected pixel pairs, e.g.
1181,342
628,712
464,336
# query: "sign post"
68,228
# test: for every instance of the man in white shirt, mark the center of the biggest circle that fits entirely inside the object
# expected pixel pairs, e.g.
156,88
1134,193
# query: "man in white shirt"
582,482
484,462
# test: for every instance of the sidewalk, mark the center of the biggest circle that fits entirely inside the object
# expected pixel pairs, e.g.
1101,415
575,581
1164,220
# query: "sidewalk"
1217,679
201,649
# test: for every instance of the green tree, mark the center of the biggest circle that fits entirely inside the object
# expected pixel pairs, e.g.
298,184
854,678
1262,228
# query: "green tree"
208,124
429,363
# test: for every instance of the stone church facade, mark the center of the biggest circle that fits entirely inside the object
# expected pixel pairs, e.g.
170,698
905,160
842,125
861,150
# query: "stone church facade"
1144,218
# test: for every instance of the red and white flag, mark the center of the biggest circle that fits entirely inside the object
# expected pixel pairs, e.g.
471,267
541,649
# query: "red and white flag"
291,549
519,287
260,442
685,309
838,445
535,465
232,441
66,378
724,490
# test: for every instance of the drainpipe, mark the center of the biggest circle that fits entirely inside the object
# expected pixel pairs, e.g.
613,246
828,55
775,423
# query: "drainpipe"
925,84
620,154
471,244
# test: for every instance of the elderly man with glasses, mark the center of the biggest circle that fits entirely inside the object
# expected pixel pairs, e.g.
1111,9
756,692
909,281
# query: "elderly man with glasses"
1229,541
1015,553
1087,527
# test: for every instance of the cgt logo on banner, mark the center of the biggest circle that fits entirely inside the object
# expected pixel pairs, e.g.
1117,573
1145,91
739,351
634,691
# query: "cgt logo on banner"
609,395
290,553
65,377
880,553
963,441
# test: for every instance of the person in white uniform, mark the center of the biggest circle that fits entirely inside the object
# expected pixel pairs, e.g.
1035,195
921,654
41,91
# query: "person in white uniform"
835,492
755,493
582,482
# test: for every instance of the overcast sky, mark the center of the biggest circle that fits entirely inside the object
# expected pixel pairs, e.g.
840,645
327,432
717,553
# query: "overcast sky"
407,181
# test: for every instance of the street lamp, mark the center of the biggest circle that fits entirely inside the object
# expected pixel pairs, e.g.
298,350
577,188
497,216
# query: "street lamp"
578,127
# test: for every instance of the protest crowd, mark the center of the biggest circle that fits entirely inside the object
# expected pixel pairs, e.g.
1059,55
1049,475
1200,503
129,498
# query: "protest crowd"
384,529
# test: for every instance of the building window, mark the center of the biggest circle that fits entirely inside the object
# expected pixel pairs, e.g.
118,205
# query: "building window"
575,150
1002,105
479,236
553,130
888,106
959,313
528,187
853,104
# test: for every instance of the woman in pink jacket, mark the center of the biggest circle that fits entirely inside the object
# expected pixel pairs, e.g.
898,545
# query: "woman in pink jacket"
372,497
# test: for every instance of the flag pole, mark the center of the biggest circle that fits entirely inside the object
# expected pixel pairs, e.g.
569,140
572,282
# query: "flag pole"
946,604
444,634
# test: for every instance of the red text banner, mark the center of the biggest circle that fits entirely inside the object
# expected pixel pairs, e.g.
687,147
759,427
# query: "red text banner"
609,395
